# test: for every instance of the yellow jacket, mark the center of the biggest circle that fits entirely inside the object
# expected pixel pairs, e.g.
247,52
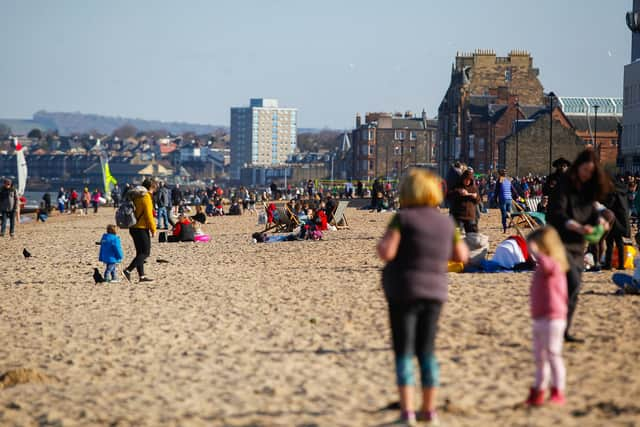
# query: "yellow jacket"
144,209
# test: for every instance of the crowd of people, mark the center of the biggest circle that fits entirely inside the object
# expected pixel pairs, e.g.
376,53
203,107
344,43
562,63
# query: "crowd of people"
584,207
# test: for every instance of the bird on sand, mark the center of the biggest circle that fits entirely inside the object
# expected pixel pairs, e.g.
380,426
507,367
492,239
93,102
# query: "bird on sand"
97,277
26,253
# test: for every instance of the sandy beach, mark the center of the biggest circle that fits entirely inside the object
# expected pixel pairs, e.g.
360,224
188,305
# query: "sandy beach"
233,333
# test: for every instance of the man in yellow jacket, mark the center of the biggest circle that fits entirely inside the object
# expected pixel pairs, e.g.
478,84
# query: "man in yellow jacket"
145,228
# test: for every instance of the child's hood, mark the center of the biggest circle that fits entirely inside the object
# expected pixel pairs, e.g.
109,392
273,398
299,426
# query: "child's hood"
111,238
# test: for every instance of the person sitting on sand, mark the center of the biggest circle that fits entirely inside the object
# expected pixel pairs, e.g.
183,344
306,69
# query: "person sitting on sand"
200,215
543,205
417,246
210,209
549,298
183,230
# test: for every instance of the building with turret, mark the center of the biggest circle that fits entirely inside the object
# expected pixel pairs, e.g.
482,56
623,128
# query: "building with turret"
486,94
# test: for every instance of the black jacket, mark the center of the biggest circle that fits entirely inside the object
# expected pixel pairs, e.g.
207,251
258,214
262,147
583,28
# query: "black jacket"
565,203
618,204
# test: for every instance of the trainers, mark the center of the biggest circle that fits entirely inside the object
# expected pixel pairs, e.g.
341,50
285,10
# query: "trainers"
536,397
145,279
557,396
127,275
407,419
429,418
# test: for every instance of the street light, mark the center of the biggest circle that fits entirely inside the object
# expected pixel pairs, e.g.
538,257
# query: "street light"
551,98
517,143
596,146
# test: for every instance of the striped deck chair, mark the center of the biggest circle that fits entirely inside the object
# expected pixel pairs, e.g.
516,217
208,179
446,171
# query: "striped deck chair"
522,218
339,219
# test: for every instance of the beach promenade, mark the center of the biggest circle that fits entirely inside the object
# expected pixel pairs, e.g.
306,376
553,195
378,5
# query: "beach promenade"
232,333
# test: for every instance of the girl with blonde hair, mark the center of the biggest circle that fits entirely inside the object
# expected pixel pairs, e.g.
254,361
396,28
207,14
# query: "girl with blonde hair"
549,297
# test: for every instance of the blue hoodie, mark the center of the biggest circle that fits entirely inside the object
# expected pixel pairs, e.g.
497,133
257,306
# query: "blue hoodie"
110,249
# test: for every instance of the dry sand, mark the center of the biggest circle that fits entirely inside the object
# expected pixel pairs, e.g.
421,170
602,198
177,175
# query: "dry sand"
287,334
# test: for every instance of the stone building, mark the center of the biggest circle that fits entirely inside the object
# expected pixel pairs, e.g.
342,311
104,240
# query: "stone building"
479,106
387,144
530,139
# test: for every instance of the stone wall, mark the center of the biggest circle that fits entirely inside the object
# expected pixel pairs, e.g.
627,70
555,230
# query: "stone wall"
533,143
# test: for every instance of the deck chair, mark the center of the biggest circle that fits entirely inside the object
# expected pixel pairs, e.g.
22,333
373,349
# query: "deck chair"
532,203
283,221
521,218
339,219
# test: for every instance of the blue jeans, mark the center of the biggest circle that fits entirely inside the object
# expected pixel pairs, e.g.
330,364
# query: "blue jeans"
163,218
505,210
11,216
111,269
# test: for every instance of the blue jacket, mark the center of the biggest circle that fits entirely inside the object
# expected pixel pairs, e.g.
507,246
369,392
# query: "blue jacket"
110,249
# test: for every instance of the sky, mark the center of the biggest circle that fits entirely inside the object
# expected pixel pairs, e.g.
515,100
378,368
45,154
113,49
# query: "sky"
192,60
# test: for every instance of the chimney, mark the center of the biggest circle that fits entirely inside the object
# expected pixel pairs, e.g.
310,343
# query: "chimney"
358,120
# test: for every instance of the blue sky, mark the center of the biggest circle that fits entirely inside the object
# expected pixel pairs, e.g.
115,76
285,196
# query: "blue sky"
192,60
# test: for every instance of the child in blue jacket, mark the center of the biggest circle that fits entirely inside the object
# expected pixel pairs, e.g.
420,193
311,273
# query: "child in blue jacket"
110,253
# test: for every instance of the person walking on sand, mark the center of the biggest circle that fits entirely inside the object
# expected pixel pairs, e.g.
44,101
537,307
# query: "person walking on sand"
144,229
86,199
503,196
9,205
110,253
95,200
572,211
549,313
417,246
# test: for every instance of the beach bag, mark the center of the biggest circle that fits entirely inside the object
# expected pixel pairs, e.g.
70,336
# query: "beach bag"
629,255
478,247
455,267
126,214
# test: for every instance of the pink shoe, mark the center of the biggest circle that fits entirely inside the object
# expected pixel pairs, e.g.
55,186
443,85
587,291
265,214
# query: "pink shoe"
557,396
536,397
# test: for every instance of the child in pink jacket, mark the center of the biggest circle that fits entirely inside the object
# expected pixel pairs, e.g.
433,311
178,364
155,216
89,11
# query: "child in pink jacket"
549,313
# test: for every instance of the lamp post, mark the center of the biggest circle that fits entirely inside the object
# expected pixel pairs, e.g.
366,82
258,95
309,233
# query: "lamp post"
551,96
517,105
596,146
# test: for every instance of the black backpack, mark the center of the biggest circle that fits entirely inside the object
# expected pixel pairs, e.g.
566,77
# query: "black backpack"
126,214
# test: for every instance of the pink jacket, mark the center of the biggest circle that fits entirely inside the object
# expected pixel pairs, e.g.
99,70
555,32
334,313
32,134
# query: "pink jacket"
548,290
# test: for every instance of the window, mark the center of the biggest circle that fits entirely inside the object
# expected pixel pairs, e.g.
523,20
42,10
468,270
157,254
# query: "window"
399,135
412,135
371,150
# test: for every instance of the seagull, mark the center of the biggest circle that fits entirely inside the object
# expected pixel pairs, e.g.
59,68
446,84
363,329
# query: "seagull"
97,277
26,253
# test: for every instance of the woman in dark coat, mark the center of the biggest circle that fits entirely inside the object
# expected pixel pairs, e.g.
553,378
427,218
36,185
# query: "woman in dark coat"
464,200
573,212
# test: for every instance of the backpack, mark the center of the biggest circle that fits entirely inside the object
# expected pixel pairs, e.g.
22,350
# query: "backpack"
126,214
